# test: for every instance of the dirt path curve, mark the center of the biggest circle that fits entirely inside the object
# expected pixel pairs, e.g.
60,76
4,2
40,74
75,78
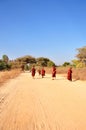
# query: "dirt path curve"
42,104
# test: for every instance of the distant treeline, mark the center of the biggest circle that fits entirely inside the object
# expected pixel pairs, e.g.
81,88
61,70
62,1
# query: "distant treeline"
24,62
27,61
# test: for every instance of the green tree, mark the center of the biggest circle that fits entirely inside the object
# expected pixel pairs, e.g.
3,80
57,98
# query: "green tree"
26,59
42,61
75,62
66,64
5,58
50,63
3,65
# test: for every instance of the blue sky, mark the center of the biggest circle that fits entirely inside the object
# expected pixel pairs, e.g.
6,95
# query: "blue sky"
42,28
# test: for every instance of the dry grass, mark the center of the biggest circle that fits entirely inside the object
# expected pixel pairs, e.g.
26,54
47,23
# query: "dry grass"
60,70
78,73
5,75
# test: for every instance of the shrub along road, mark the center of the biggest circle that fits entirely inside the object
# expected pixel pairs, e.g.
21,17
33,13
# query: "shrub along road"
42,104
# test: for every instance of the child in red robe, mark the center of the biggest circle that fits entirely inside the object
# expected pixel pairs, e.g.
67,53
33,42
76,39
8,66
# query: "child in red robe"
53,72
69,74
33,71
43,72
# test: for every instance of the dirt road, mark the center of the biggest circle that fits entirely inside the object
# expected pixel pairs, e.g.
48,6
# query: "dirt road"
42,104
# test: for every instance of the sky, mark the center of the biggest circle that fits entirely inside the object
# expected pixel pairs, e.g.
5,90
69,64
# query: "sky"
42,28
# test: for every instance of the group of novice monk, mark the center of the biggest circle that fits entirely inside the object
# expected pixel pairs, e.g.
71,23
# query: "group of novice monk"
42,72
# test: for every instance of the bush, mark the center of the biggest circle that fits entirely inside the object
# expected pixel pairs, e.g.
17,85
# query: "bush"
4,66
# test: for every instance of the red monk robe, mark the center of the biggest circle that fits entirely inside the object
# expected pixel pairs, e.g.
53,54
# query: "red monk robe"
69,74
33,71
39,71
43,72
53,72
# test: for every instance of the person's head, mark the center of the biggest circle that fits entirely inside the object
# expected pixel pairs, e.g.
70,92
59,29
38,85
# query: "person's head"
33,66
70,68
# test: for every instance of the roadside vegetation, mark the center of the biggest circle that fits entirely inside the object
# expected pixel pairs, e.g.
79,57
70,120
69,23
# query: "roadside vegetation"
78,73
12,68
5,75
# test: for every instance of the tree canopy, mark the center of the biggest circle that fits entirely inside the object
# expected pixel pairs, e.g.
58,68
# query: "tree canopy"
41,61
5,58
81,53
26,59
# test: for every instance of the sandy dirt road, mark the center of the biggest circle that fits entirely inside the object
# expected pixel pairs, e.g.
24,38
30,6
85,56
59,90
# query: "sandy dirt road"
42,104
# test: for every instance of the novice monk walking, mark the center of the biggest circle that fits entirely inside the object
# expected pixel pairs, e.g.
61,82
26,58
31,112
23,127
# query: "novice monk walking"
33,71
53,72
43,72
39,71
69,74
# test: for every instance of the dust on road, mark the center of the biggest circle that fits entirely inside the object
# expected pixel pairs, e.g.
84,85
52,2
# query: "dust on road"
42,104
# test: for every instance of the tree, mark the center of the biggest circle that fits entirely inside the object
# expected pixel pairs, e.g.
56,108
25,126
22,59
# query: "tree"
66,64
78,63
4,66
26,59
50,63
5,58
4,63
44,61
75,62
81,53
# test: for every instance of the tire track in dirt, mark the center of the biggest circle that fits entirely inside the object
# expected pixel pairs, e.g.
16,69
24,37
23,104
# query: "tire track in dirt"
5,91
43,121
13,110
41,104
